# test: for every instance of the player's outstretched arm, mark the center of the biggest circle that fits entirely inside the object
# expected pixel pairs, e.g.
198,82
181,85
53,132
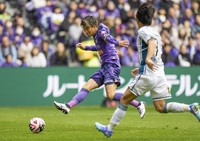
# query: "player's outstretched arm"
84,47
123,43
111,39
81,46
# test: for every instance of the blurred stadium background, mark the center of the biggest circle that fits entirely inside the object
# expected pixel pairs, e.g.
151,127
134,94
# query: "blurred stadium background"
39,62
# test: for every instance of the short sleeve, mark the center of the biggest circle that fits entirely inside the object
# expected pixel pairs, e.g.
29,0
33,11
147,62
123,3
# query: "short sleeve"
144,34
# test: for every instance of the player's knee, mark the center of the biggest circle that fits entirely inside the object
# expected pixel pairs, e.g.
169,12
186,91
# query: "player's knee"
124,101
87,87
109,97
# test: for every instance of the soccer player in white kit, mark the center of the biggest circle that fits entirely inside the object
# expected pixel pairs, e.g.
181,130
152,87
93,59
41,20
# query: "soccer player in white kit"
149,77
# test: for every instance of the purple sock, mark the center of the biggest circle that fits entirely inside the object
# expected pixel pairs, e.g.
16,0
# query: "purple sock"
80,96
118,95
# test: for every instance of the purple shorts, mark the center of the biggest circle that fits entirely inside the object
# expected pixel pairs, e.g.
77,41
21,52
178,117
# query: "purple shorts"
108,74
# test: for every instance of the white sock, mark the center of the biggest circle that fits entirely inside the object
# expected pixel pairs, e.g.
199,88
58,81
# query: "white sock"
177,107
116,118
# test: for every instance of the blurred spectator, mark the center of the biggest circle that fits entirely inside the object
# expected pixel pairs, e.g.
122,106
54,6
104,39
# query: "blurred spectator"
188,15
169,59
82,10
195,7
165,4
25,48
20,30
165,35
196,27
187,27
134,3
111,10
46,50
54,21
197,36
176,6
36,37
56,18
36,59
196,59
74,38
191,47
59,58
162,15
21,23
4,15
1,31
93,10
2,7
23,62
101,15
73,6
182,38
184,56
185,4
9,30
44,14
7,48
123,7
172,16
9,62
128,56
118,24
63,32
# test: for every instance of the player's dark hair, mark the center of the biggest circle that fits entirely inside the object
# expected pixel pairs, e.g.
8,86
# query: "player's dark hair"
145,13
89,21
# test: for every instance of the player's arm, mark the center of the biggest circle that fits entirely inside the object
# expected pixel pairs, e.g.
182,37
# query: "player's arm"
84,47
152,44
109,38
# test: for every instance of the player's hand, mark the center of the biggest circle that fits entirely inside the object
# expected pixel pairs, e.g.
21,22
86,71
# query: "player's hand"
151,64
81,46
124,43
135,71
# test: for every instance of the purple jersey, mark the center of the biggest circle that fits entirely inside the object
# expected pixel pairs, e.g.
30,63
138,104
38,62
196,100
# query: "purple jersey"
105,45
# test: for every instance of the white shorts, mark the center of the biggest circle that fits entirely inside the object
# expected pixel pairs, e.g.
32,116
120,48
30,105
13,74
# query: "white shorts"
157,85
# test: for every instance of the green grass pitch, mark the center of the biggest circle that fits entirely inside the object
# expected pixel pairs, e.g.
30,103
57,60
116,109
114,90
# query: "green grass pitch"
78,125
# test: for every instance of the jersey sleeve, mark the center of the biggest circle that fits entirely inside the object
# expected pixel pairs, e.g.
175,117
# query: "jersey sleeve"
92,48
107,37
144,34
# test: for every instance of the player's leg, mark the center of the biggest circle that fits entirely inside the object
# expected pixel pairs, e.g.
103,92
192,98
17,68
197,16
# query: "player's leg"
162,92
137,87
82,94
78,98
140,105
118,95
111,73
117,115
175,107
110,90
163,107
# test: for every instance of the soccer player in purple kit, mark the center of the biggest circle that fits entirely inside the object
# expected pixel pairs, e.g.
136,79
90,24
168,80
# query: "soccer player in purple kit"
109,72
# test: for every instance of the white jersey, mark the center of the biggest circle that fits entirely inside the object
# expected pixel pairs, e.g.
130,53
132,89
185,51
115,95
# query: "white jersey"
144,34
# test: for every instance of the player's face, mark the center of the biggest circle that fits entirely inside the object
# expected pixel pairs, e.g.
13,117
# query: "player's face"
89,31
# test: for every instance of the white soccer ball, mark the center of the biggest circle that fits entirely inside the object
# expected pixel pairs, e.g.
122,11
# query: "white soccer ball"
36,125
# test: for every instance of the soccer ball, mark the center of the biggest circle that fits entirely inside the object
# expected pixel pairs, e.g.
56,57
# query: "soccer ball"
36,125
